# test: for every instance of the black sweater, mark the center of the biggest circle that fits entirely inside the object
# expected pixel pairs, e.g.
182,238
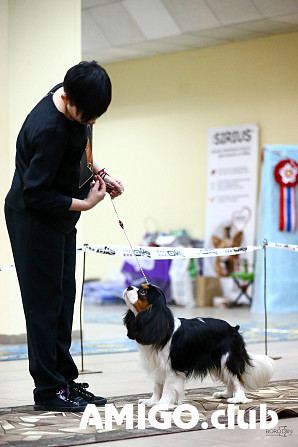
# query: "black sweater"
49,150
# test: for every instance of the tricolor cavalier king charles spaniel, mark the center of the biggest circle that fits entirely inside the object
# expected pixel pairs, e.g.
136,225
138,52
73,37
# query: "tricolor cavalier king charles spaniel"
175,349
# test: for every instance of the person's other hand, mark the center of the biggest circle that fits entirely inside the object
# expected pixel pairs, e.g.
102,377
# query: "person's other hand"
117,186
97,192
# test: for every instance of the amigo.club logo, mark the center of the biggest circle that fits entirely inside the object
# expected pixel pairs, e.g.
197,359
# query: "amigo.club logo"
160,417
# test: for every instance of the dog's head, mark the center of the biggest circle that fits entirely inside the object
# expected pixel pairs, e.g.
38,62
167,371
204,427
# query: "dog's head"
149,321
139,299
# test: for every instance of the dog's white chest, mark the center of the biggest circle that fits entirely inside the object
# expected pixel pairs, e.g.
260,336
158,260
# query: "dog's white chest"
157,362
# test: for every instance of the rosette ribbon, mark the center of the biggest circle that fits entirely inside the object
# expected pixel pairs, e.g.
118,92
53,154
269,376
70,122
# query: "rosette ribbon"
286,174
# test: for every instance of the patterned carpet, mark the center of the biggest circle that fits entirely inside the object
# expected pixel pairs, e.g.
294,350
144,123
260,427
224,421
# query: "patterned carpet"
22,426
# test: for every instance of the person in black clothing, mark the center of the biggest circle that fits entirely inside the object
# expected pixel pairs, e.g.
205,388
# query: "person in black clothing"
55,179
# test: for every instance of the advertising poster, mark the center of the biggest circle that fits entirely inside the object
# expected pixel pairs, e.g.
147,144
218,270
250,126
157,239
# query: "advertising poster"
231,196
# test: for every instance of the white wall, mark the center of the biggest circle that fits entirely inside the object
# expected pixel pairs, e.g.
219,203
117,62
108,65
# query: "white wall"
154,136
39,41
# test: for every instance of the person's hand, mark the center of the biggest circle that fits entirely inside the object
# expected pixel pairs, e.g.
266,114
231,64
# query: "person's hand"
117,186
97,192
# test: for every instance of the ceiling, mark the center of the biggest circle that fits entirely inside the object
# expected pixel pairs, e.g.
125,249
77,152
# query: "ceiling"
118,30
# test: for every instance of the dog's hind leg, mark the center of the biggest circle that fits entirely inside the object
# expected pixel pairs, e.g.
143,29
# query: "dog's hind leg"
224,375
234,392
238,392
154,399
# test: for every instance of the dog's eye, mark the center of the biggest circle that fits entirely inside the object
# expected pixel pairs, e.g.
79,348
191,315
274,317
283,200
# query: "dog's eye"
142,292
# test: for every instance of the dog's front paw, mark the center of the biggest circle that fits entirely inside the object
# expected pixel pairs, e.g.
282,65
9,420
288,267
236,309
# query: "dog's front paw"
148,402
171,405
221,395
236,400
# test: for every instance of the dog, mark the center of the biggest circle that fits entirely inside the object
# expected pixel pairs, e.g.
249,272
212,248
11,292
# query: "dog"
176,349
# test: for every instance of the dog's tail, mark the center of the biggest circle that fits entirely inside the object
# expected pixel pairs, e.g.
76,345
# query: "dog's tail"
259,372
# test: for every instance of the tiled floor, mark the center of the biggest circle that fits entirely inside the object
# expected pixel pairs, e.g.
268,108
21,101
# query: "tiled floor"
121,375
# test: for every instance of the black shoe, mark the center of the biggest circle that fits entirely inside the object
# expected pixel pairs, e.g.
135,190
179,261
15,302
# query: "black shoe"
78,391
61,401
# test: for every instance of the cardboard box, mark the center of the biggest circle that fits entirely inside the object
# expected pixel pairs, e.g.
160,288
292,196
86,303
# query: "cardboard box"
207,288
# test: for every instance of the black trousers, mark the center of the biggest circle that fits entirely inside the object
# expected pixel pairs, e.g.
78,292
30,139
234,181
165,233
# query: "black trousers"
45,265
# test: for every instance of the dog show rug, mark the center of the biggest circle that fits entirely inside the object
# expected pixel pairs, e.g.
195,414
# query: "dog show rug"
22,426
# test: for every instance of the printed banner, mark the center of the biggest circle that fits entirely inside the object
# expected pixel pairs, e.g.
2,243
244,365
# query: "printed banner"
231,195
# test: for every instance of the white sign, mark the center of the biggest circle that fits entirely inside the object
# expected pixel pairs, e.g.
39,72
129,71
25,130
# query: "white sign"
231,193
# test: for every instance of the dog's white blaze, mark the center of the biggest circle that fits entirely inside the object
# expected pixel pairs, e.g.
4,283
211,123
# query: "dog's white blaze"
131,297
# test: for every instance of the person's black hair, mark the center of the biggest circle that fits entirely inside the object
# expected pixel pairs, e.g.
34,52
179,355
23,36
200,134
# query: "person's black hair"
88,87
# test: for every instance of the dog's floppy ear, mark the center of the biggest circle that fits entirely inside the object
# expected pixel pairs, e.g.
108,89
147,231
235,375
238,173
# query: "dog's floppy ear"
154,325
128,320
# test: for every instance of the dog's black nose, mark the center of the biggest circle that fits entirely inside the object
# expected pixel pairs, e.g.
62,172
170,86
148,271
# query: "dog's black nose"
130,288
